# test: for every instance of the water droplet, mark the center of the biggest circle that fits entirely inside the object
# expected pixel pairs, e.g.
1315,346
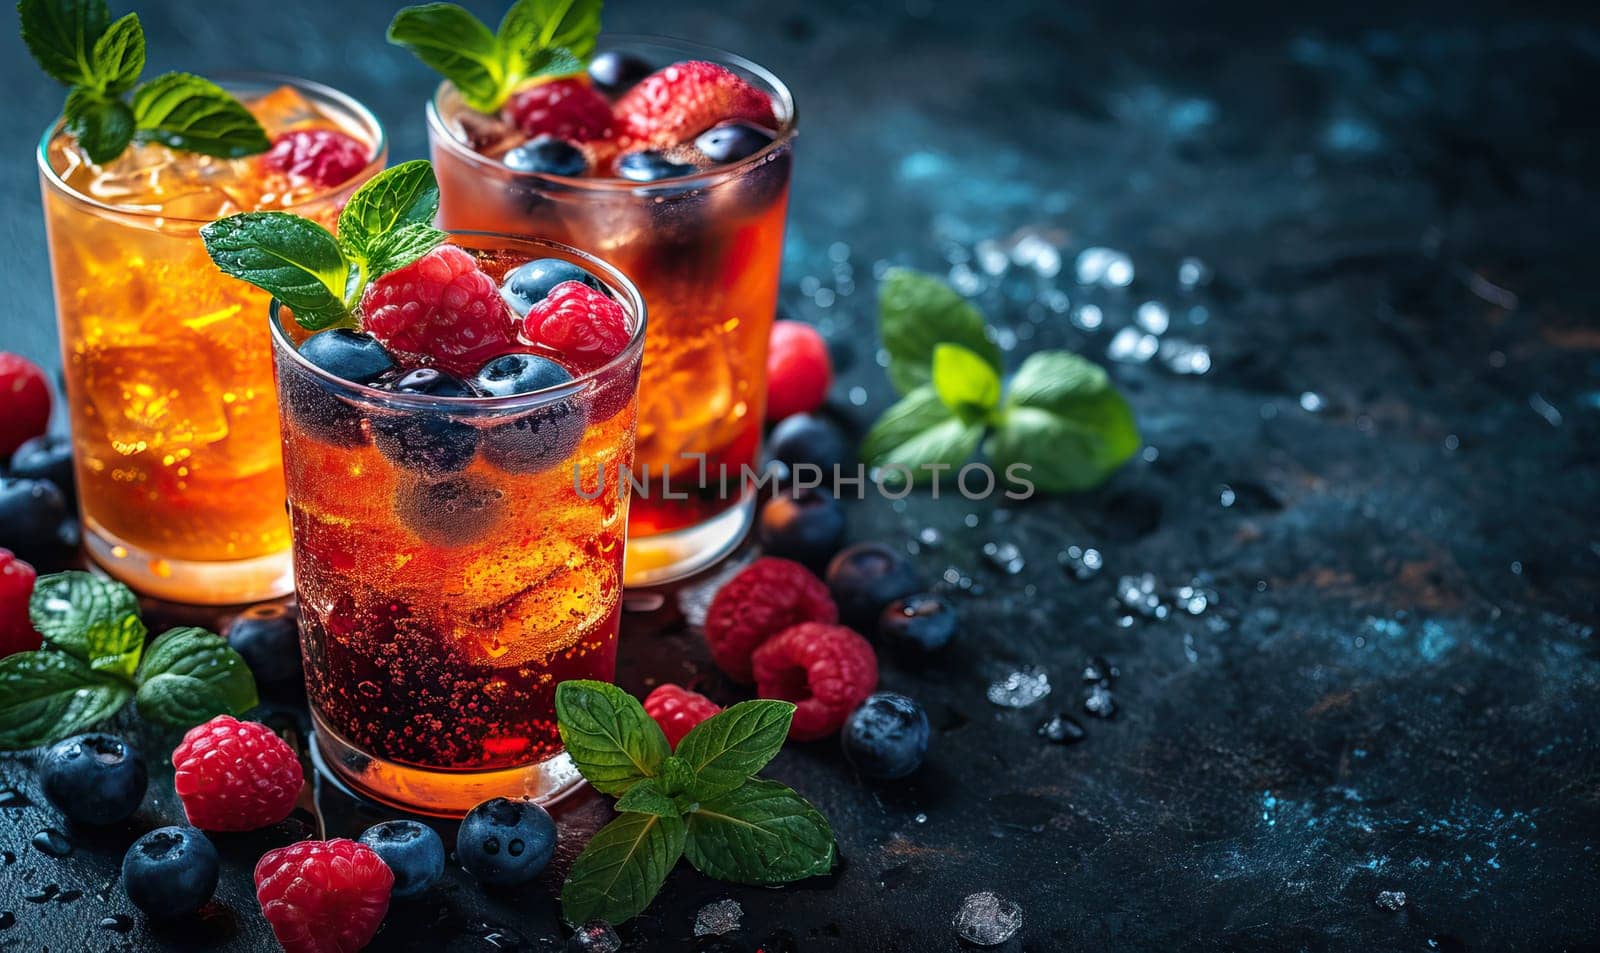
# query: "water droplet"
1226,496
1061,729
1153,317
1184,357
1311,402
1098,670
1081,562
596,936
1088,318
716,919
1004,556
1020,688
43,895
1391,900
991,258
1193,273
53,842
858,396
369,689
929,536
921,818
11,797
1099,702
117,923
1130,346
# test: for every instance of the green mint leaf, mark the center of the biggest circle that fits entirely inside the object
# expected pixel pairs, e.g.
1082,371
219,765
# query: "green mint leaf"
557,61
407,194
102,125
292,258
675,776
400,248
1064,421
965,382
61,34
728,748
608,735
916,313
622,868
192,114
118,55
93,619
645,797
761,833
191,675
534,26
46,696
459,47
920,429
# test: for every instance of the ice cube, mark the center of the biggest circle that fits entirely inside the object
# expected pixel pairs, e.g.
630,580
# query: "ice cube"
1391,900
149,396
1020,688
1062,729
284,108
716,919
987,920
1099,702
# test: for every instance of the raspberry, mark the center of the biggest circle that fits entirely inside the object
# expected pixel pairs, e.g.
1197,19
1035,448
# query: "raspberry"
16,585
826,670
676,710
235,775
583,325
24,402
322,156
673,105
440,309
798,370
766,597
567,109
323,896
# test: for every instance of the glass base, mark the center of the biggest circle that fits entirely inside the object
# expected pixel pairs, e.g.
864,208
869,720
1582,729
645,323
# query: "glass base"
667,557
435,793
218,583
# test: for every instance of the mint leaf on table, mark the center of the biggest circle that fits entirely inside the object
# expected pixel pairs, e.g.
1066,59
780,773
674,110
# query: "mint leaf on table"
533,26
118,55
760,833
1066,422
646,797
190,675
916,313
406,194
46,696
191,114
920,431
728,748
965,382
60,34
608,735
294,259
93,619
622,868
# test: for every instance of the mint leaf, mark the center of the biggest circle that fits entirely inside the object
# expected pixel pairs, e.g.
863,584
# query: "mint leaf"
761,833
191,675
622,868
965,382
103,126
118,55
916,313
407,194
292,258
1065,421
536,26
675,776
552,62
61,33
93,619
400,248
645,797
47,696
196,115
728,748
458,46
920,429
608,735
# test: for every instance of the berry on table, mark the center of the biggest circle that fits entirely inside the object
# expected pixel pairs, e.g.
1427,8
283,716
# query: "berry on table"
614,72
809,439
17,633
675,104
323,896
676,710
649,166
46,457
94,778
919,624
532,282
568,109
547,155
170,872
866,577
805,525
412,851
886,737
581,323
267,637
826,670
440,309
234,775
733,141
429,440
24,401
323,157
763,599
504,841
33,518
799,370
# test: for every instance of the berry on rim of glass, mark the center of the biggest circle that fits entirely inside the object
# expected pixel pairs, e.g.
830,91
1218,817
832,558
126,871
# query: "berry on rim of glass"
441,309
613,71
547,155
323,157
533,281
675,104
733,141
649,166
567,109
581,324
799,370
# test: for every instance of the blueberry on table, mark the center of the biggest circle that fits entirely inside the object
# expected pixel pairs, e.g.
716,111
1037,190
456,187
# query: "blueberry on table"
886,737
46,457
412,851
348,355
33,517
809,439
532,282
649,165
612,72
804,525
94,778
451,512
430,440
919,624
547,155
267,637
732,141
867,577
170,872
504,842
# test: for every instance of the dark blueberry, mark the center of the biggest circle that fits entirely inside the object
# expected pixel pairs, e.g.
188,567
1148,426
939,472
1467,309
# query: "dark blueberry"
47,457
528,284
94,778
919,624
549,156
1097,670
412,851
504,842
649,165
348,355
268,638
33,518
613,72
433,441
539,438
866,577
808,439
451,512
511,374
805,525
886,737
170,872
1062,729
732,141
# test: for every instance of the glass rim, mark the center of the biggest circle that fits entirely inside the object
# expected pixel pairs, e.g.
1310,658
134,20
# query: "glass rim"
785,134
380,148
393,399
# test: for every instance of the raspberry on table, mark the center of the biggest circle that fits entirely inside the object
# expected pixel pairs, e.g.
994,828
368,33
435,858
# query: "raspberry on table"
568,109
24,402
799,370
675,104
440,309
234,775
16,587
322,156
826,670
766,597
584,325
323,896
676,710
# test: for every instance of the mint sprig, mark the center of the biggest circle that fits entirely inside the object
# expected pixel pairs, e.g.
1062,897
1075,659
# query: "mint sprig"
1061,425
93,661
703,802
386,225
76,43
535,38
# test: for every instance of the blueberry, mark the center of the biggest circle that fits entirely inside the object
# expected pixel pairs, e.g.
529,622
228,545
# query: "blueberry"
867,577
268,638
94,778
527,284
537,439
170,872
804,525
47,457
433,441
511,374
33,518
920,623
807,438
451,512
348,355
732,141
649,165
413,852
549,156
613,72
886,737
504,842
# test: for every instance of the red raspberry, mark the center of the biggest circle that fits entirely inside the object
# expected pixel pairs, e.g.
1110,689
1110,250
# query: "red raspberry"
766,597
676,710
321,156
16,585
582,324
675,104
235,775
24,402
826,670
567,109
799,370
440,309
325,896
